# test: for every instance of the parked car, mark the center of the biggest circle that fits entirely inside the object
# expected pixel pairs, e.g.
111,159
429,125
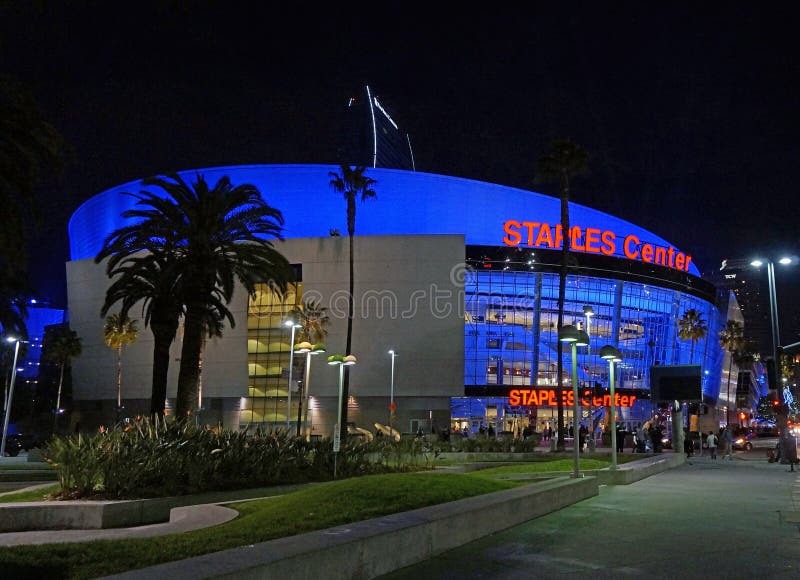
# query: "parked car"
748,441
13,445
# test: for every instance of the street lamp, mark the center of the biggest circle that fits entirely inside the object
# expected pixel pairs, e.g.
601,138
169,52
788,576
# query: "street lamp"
612,355
10,393
588,311
571,335
294,326
309,350
773,316
341,361
392,406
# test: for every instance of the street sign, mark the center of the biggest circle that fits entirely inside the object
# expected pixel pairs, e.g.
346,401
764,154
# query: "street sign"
336,438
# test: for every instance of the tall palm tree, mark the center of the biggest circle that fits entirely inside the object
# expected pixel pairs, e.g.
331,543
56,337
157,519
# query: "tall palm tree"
313,320
119,331
216,236
352,184
151,279
27,144
731,338
692,326
562,161
60,348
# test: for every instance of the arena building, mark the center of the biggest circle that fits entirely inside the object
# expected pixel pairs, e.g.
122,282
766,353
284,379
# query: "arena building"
458,277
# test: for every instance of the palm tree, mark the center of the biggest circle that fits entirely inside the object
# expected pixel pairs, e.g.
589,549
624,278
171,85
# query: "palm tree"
352,184
731,338
562,161
151,279
313,321
214,237
691,326
119,331
60,347
27,144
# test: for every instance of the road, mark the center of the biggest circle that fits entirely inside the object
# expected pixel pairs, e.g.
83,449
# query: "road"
719,518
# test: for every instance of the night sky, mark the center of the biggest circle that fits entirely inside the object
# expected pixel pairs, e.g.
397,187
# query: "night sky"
689,110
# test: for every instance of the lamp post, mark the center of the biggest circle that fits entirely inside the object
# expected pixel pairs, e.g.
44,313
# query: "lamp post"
588,311
340,361
309,350
10,397
392,406
575,338
786,449
612,355
294,326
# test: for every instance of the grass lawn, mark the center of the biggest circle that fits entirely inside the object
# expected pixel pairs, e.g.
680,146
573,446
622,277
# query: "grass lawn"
33,495
311,508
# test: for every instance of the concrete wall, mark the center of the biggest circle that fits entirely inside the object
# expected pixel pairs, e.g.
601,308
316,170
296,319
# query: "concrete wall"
408,297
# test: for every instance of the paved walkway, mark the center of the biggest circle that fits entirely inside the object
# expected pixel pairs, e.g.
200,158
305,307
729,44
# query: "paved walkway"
706,519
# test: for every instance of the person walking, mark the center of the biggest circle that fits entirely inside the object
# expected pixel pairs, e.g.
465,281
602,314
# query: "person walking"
711,443
726,442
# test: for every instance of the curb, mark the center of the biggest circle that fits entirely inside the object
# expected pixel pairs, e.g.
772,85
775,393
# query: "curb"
381,545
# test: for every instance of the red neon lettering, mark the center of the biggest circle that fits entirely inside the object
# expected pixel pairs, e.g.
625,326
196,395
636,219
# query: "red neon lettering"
647,253
531,226
688,261
512,237
661,256
631,240
513,397
671,255
559,237
545,236
575,235
592,239
679,261
608,238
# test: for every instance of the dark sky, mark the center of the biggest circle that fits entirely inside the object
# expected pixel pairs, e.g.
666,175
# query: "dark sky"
689,110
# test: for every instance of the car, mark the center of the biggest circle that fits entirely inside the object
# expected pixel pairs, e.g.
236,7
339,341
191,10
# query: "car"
748,441
13,445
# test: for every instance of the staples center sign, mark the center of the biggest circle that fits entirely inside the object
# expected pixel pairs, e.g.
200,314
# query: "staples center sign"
549,398
593,241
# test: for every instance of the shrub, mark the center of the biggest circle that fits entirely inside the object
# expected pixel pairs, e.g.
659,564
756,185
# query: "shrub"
172,457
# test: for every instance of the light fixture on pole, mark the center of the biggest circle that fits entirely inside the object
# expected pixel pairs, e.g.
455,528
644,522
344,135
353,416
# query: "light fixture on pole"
294,326
571,335
612,355
341,361
10,397
588,312
787,450
392,406
309,350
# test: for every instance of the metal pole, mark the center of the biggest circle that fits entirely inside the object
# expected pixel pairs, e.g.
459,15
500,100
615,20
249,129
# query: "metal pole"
788,453
612,416
8,402
304,397
575,412
291,364
591,382
337,429
391,395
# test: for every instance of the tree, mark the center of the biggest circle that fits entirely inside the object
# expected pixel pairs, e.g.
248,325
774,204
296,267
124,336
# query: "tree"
119,331
151,279
60,348
213,237
691,326
731,338
313,321
562,161
352,184
28,144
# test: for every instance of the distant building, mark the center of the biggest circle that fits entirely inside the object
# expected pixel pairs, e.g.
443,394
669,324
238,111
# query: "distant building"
749,285
371,137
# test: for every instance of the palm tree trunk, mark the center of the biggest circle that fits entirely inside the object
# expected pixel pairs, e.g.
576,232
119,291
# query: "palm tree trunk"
728,396
190,362
346,382
163,340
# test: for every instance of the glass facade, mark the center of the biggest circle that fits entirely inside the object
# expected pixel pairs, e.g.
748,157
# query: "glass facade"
511,337
268,356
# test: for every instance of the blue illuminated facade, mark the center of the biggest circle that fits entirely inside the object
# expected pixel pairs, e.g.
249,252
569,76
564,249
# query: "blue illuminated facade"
510,284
